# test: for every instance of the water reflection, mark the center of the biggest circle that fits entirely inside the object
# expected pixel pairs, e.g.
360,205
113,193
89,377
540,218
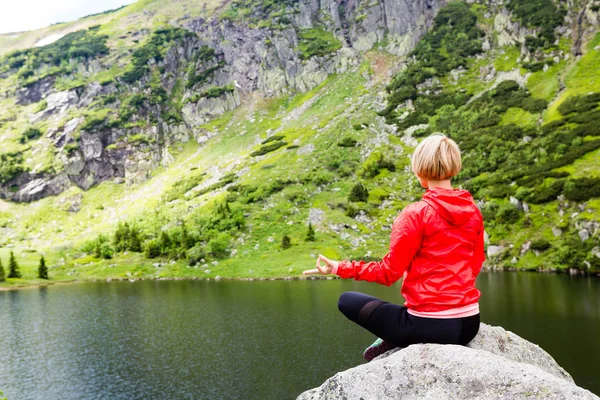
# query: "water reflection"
246,339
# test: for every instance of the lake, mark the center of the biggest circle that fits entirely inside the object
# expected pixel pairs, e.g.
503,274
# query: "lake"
247,340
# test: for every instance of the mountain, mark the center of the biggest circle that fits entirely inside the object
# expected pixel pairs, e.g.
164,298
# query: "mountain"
178,139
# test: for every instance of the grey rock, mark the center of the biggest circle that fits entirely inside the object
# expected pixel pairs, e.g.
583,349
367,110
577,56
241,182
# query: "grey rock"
496,364
493,250
556,231
584,234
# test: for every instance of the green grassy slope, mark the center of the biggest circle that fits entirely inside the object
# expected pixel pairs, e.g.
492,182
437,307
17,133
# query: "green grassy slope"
217,210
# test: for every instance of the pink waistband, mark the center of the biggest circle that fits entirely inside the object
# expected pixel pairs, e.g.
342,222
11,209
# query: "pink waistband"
460,312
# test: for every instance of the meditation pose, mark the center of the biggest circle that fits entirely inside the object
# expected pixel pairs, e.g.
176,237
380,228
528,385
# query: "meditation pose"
437,248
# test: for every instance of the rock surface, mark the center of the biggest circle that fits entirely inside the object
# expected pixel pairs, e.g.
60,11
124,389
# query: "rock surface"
497,364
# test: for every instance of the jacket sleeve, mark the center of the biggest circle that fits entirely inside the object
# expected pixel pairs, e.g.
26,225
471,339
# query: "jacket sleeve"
479,254
405,241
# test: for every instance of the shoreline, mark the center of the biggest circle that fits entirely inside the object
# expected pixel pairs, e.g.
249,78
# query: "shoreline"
571,272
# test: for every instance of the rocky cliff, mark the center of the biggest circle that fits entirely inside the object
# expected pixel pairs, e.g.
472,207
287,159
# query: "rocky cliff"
188,73
496,365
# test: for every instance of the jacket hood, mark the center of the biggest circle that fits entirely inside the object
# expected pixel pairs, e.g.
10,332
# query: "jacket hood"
454,205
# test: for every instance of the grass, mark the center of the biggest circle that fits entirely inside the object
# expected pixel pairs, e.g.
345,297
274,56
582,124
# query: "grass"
582,78
586,166
519,117
506,60
545,84
320,118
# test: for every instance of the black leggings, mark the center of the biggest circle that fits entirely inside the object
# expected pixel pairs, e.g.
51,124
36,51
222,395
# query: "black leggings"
394,324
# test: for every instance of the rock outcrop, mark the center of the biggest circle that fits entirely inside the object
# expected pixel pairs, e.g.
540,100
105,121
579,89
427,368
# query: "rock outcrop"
497,364
248,57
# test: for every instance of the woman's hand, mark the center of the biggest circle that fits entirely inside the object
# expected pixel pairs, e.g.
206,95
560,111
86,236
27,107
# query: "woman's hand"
322,269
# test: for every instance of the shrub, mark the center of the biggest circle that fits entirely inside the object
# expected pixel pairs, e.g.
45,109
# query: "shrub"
359,193
218,245
310,234
272,146
273,139
152,248
582,189
540,245
30,134
92,122
286,243
539,13
507,214
11,165
2,276
546,192
196,254
579,104
317,42
347,142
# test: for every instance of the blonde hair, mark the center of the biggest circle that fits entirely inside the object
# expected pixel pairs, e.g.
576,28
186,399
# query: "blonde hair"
436,158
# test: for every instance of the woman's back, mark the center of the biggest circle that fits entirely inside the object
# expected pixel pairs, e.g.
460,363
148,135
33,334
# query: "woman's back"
442,274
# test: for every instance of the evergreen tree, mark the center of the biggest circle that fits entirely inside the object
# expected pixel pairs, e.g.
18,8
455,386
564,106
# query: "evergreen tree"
13,267
358,193
310,235
286,243
135,241
122,237
43,270
2,273
165,242
187,240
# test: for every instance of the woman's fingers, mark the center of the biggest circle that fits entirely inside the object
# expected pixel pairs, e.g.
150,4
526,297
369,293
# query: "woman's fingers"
311,271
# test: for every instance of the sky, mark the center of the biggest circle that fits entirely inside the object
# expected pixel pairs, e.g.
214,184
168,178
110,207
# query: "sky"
26,15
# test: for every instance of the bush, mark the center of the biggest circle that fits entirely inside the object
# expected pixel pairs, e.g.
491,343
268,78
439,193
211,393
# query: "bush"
272,146
286,243
152,248
273,139
579,104
30,134
539,13
310,234
540,245
218,246
507,214
546,192
582,189
347,142
359,193
196,254
11,165
315,42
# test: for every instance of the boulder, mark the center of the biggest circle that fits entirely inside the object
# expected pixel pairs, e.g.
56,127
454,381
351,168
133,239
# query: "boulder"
496,364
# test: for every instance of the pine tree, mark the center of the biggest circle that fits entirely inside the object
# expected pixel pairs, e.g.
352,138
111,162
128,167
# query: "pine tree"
286,243
43,270
358,193
2,273
310,235
187,240
135,241
13,267
165,242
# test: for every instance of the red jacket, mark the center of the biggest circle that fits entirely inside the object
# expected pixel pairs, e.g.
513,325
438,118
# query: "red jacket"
437,245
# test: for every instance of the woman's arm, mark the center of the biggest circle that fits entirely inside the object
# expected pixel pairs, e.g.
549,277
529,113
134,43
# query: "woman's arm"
405,242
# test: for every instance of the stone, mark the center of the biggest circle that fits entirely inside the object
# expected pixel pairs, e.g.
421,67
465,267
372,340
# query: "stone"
497,364
584,234
493,250
516,202
556,231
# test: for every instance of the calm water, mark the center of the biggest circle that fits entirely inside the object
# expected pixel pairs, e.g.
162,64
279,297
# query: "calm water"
246,340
